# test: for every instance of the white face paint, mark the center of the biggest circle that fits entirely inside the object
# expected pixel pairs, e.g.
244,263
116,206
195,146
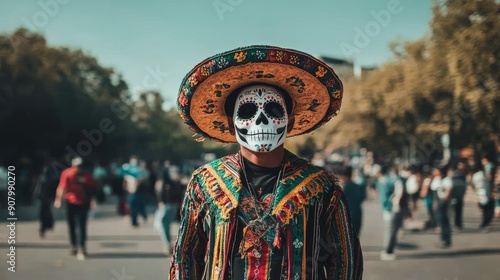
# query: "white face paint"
260,118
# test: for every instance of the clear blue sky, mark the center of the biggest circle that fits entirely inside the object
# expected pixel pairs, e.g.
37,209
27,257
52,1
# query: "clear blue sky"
174,35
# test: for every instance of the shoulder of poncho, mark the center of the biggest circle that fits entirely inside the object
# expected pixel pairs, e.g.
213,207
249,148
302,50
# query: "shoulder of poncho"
301,167
218,183
217,164
304,183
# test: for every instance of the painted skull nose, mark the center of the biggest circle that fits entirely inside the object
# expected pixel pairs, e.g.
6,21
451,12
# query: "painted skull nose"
262,118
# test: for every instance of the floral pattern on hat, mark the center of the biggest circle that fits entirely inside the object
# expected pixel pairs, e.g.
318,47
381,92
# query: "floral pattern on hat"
313,86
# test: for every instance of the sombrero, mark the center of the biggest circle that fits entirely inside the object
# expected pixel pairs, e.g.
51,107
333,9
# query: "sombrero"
314,87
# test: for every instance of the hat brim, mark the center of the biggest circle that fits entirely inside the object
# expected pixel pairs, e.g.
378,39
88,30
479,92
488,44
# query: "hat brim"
314,87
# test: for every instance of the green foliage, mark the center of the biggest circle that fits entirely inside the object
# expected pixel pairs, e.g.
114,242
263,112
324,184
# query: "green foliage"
49,96
448,82
54,103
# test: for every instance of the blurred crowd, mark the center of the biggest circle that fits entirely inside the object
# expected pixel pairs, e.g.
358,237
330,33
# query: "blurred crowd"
143,191
137,186
441,189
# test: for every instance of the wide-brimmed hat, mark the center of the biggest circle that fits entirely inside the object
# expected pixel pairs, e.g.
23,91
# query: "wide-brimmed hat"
314,87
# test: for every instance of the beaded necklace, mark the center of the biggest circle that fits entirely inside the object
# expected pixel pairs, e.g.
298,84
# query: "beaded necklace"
258,226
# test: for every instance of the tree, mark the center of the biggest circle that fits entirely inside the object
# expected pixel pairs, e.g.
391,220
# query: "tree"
445,83
465,41
52,98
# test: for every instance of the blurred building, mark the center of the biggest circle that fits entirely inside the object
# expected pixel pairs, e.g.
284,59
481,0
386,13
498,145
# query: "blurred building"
347,69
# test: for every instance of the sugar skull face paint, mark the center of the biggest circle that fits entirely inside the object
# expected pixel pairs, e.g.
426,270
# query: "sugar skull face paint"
260,118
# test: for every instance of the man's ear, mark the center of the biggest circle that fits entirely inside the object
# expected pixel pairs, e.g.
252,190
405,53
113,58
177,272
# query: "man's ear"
291,122
231,125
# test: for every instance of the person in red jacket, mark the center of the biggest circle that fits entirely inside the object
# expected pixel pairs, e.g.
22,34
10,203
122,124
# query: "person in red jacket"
75,187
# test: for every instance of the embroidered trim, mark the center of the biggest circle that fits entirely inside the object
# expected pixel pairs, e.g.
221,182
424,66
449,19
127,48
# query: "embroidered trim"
219,191
300,196
302,182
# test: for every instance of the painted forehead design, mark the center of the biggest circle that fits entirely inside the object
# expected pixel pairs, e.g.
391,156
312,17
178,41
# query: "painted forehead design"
263,92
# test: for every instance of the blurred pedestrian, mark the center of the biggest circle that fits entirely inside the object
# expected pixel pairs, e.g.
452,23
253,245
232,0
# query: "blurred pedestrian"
133,177
117,184
360,178
413,187
483,189
3,185
263,213
169,198
355,195
459,182
489,169
428,195
75,187
155,173
100,176
497,193
372,173
394,199
44,192
443,185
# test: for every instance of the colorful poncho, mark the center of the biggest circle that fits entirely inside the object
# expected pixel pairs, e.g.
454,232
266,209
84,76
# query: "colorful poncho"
309,207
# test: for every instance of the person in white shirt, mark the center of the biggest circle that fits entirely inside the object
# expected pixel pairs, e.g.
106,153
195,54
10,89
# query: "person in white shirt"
443,187
413,184
484,192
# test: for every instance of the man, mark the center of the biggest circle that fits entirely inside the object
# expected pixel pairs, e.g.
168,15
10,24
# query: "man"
459,186
489,169
75,186
413,181
169,197
394,200
100,175
262,213
355,195
484,190
133,177
44,192
444,190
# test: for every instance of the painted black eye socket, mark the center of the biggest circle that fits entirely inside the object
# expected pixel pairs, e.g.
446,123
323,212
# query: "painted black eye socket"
274,110
247,111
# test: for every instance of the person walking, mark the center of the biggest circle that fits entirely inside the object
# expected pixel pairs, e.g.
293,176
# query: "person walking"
489,168
100,176
44,192
413,185
135,185
355,195
459,182
428,195
394,200
75,187
169,197
481,184
443,185
263,213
